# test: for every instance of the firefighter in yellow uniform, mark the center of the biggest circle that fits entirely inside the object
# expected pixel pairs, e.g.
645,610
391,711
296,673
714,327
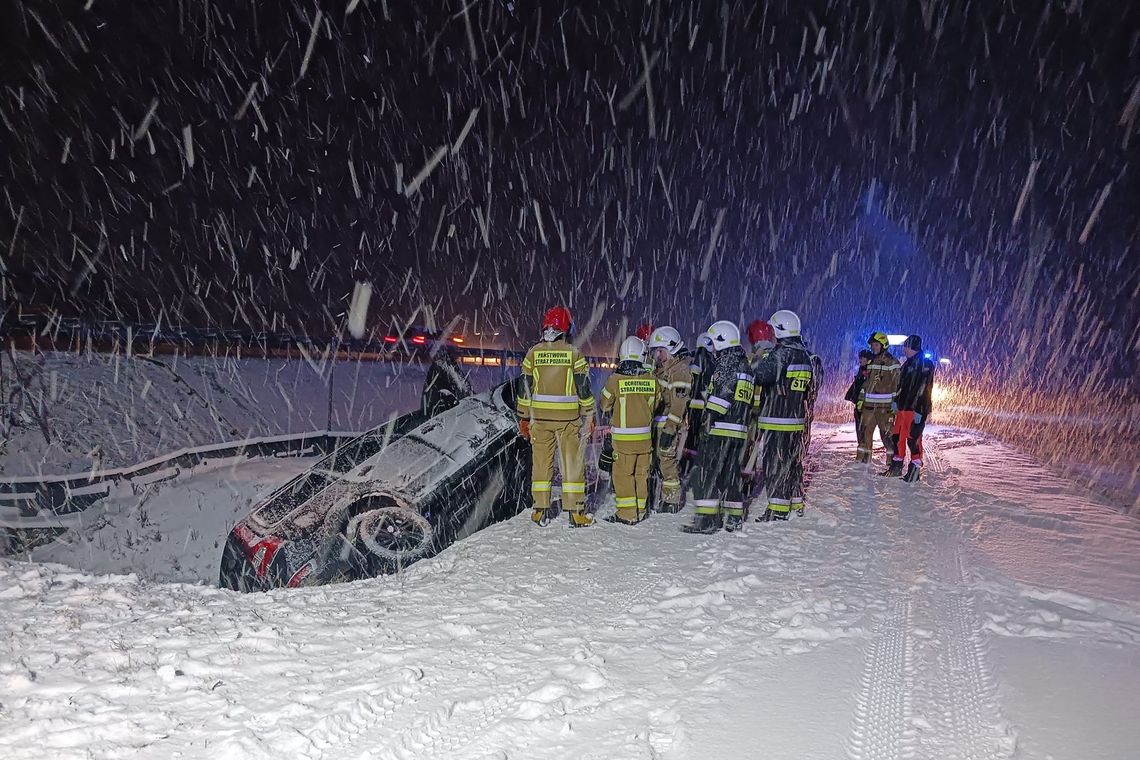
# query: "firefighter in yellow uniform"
556,406
630,398
675,379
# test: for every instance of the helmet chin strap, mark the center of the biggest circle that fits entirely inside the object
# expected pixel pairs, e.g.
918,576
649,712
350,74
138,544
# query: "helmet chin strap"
550,334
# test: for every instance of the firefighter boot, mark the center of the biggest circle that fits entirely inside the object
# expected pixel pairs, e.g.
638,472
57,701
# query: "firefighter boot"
913,473
733,522
702,524
580,519
771,515
894,470
625,516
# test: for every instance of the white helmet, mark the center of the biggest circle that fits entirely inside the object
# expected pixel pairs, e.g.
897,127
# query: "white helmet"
632,350
785,323
667,338
706,341
724,335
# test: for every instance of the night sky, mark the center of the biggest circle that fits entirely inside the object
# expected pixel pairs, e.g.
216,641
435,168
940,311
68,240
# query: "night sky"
962,169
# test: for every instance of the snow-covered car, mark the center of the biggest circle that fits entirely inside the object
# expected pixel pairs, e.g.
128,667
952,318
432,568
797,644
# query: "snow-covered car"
395,495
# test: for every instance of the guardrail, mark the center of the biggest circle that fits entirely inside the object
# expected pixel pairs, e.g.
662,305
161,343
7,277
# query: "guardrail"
54,501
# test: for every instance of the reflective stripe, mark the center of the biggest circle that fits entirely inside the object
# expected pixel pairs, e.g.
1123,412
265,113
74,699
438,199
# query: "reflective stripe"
520,401
730,426
718,401
678,384
916,462
631,430
626,502
734,507
606,393
744,376
548,397
797,500
706,506
660,418
573,488
799,368
779,505
671,484
641,502
780,423
721,432
540,485
884,367
674,418
697,404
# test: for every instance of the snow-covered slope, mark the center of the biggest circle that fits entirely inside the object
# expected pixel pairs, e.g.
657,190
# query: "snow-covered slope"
987,612
78,412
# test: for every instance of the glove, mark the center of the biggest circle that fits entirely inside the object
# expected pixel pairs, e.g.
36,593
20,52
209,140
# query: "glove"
665,441
524,429
917,418
590,425
606,458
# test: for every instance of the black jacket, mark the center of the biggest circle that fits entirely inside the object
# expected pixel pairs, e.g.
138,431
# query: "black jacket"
916,382
786,375
856,386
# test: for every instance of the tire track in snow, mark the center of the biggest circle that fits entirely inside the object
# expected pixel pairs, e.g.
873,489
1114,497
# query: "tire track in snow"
880,729
943,702
343,732
375,724
960,712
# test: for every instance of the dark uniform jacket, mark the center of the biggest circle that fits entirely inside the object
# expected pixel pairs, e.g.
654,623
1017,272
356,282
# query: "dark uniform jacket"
785,376
856,388
916,382
728,399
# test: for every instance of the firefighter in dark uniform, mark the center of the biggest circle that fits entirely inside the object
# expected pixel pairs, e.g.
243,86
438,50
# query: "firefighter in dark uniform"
701,368
916,385
718,492
785,377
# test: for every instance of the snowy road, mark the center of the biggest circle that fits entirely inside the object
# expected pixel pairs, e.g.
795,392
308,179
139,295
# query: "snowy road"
987,612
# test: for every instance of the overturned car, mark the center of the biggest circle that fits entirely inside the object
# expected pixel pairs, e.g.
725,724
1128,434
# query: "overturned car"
392,496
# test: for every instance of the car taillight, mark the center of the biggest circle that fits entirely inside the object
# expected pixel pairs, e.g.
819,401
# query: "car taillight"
266,550
390,339
300,575
419,340
457,339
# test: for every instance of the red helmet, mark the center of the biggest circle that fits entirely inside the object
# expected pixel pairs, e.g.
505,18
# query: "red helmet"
557,318
644,332
759,330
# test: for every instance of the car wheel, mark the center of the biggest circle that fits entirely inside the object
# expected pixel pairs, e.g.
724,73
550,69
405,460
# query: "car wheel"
394,536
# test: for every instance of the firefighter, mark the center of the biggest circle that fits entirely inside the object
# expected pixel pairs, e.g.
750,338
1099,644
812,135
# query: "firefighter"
700,368
785,377
630,398
854,392
555,407
763,340
671,362
878,397
718,491
913,404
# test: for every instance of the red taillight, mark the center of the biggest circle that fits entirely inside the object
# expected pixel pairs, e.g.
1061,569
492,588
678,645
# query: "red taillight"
419,340
456,339
390,339
300,575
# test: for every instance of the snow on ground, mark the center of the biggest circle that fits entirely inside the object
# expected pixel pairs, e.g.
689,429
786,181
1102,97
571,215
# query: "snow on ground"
989,611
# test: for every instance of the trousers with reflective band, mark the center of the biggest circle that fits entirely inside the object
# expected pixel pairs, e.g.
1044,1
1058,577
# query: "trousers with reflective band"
561,443
718,482
784,470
